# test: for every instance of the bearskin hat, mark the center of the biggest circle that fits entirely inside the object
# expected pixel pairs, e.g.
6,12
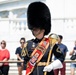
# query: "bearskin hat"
38,16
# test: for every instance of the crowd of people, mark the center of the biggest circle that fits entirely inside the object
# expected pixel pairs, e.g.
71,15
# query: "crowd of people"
36,54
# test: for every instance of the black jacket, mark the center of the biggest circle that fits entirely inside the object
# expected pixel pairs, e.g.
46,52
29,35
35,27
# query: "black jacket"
39,69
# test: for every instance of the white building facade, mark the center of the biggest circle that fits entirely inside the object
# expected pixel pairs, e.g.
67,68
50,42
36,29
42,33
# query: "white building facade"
13,21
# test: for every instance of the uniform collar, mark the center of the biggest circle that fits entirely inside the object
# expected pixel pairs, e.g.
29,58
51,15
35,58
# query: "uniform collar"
38,40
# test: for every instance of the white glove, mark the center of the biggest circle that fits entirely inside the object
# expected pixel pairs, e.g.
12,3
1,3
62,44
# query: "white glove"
54,65
24,72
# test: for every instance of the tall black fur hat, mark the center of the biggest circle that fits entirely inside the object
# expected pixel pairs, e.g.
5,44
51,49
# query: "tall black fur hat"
38,16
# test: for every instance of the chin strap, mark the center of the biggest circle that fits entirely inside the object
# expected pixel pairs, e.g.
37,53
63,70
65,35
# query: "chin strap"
37,33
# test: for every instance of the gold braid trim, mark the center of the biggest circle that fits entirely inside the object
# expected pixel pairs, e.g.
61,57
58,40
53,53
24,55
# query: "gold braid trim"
24,50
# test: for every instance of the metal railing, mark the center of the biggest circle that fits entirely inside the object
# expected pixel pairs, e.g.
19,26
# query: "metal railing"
13,66
15,61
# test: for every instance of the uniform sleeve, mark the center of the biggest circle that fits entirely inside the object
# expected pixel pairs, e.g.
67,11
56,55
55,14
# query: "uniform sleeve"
27,57
57,53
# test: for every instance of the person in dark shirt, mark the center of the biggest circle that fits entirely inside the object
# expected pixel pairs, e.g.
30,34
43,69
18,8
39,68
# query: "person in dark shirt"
20,56
64,50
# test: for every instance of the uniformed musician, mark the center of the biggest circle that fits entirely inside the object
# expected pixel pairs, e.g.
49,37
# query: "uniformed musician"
41,49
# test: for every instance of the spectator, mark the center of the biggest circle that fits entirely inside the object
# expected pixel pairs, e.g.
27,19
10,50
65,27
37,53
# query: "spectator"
4,56
20,55
73,65
64,50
